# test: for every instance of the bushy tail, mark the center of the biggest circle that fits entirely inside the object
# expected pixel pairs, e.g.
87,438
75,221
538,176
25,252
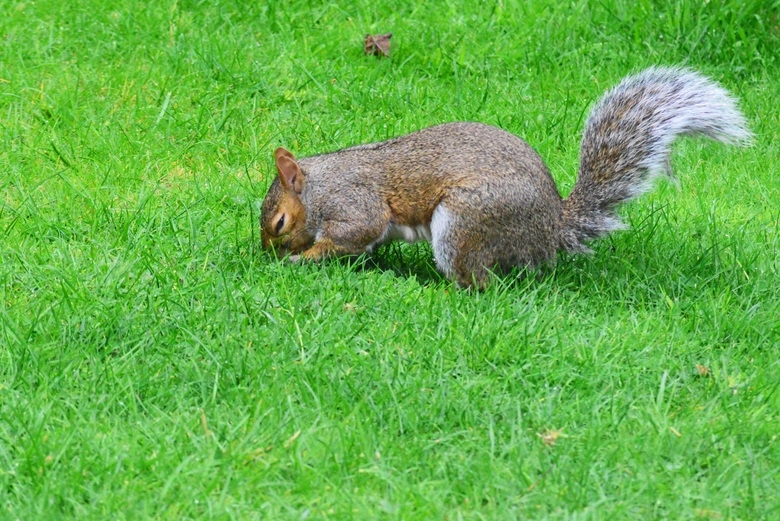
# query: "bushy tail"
627,142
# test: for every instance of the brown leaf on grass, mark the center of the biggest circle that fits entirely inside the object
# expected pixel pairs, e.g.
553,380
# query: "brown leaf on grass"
550,436
703,370
378,44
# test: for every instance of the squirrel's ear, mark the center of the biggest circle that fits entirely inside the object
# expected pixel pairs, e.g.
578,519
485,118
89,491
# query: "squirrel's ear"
281,151
290,174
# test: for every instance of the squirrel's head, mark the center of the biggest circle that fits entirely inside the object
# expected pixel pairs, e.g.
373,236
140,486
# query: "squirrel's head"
283,217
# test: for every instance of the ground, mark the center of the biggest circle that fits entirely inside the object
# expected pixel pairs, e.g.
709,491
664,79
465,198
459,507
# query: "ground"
155,363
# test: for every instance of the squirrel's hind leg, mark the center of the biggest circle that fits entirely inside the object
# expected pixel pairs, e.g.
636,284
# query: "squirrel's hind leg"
458,253
472,246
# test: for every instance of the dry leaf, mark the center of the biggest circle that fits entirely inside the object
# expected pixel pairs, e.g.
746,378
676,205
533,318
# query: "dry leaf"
378,44
703,370
550,436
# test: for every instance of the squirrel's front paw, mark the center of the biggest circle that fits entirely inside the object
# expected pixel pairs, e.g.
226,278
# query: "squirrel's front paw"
295,258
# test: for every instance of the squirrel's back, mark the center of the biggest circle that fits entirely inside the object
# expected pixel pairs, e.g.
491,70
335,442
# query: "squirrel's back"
415,172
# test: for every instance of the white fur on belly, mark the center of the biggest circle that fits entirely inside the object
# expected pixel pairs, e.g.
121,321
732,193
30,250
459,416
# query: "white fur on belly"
398,232
443,252
435,232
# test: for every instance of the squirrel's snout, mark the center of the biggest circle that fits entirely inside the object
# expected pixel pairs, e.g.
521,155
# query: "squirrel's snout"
279,247
275,247
265,242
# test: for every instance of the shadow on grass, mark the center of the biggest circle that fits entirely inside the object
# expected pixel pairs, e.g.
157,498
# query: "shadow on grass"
654,261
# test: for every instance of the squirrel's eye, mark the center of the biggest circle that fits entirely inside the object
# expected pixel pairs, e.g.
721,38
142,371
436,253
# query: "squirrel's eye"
279,224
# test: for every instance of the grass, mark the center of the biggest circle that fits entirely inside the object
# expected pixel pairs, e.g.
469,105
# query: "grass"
154,363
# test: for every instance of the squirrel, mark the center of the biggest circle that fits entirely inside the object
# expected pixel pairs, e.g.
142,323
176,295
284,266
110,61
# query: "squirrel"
482,196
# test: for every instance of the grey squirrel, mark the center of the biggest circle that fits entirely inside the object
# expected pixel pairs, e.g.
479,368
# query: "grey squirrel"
483,197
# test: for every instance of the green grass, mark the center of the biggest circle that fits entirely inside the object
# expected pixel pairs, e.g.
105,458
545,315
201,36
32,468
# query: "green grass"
154,363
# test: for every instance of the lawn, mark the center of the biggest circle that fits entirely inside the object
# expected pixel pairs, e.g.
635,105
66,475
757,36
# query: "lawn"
156,363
